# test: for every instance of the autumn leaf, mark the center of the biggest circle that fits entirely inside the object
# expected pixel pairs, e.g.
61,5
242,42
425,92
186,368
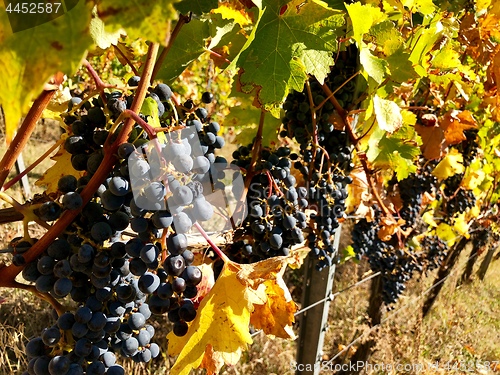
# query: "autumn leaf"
388,114
454,123
62,167
388,226
241,294
433,140
278,309
450,165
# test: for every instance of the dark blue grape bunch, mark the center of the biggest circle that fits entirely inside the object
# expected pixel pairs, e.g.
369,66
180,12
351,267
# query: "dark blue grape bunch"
276,217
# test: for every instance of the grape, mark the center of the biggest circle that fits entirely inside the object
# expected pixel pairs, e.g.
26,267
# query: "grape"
119,186
202,114
134,81
41,366
59,365
179,285
67,183
136,321
94,161
45,265
165,291
62,287
75,145
139,168
83,314
163,91
158,306
59,249
183,195
96,116
75,100
155,191
97,322
125,150
149,253
85,253
182,222
130,346
148,283
96,368
187,311
176,243
51,336
183,163
139,224
207,97
162,219
180,328
192,275
66,321
118,220
48,211
174,264
72,201
202,210
110,201
101,231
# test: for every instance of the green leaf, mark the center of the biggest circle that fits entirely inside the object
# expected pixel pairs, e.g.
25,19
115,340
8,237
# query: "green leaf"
101,37
363,17
424,38
400,67
30,57
285,34
144,19
446,58
388,114
196,6
387,36
373,66
188,46
245,118
394,153
422,6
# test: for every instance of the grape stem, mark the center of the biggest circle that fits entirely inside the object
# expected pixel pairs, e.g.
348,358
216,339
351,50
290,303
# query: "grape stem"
26,129
32,166
129,63
8,274
212,244
355,141
45,296
100,85
183,19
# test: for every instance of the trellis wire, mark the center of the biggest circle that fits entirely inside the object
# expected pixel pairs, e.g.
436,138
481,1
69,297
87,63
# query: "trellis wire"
395,312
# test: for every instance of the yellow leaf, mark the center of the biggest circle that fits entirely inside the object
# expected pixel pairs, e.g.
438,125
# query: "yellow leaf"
62,167
473,179
222,321
450,165
228,12
461,226
428,218
220,331
445,232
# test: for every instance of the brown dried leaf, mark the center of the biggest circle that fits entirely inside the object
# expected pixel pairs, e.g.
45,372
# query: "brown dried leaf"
454,123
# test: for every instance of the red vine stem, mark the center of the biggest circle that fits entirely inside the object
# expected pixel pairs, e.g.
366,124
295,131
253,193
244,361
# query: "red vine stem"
26,129
180,22
212,244
129,63
8,274
355,141
100,85
32,166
